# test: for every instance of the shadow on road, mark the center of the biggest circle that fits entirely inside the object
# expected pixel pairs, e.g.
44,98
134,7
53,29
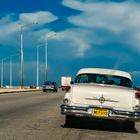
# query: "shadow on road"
102,125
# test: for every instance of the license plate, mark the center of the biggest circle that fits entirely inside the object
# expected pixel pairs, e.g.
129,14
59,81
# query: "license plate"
100,112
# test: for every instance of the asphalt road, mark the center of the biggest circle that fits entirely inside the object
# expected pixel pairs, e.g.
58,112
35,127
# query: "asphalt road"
36,116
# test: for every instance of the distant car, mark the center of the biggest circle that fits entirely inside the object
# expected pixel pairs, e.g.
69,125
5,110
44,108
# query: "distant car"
50,86
102,94
33,86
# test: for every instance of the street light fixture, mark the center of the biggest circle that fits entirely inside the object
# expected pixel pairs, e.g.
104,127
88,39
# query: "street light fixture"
22,52
48,36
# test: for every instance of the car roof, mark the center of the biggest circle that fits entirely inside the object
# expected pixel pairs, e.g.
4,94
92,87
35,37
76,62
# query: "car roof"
105,71
50,82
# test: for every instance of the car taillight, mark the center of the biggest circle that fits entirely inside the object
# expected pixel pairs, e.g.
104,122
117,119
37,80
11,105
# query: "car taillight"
137,94
68,88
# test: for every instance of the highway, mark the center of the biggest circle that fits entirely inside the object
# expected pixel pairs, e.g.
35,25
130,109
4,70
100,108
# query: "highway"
36,116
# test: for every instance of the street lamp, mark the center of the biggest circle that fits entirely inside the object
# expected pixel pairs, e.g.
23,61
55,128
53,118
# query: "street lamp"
2,70
11,67
2,73
37,66
22,52
49,35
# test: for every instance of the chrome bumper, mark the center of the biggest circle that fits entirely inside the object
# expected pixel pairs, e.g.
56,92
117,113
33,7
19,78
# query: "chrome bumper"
87,112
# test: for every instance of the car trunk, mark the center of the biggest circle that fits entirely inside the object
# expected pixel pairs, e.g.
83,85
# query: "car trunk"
102,96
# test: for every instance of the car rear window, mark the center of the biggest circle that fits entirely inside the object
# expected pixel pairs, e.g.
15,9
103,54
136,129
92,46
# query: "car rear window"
103,79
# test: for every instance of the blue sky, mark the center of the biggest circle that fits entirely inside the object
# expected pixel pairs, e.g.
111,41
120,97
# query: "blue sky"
89,33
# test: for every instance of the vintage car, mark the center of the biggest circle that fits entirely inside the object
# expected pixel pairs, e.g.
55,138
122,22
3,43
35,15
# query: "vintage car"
102,94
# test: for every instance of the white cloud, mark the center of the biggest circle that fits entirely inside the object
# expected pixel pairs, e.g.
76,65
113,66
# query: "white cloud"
10,27
77,5
76,41
115,17
41,17
121,19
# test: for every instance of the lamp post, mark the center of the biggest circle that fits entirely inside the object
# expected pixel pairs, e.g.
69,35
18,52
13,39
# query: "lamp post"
22,52
11,68
37,66
21,58
2,73
37,69
49,35
2,61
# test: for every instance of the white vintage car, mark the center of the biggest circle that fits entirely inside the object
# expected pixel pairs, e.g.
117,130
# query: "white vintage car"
102,94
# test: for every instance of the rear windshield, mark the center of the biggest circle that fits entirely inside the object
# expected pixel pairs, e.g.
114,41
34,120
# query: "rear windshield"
103,79
50,83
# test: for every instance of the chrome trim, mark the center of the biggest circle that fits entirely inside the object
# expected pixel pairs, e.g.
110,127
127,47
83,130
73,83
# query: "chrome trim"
87,112
101,99
94,98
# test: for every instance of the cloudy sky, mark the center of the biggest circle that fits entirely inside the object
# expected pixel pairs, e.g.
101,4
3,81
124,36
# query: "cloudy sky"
89,33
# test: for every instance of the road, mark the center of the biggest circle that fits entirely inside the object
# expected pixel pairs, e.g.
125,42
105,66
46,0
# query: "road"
36,116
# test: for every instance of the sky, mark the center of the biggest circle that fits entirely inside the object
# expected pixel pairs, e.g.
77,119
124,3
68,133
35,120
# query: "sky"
89,33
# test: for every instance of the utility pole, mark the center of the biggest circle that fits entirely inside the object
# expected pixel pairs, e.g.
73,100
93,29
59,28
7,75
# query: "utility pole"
22,52
49,35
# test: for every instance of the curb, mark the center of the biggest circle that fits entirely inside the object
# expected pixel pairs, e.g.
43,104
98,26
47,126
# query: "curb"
18,91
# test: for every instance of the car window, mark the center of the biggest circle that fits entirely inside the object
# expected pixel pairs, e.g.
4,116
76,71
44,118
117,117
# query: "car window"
82,78
49,83
103,79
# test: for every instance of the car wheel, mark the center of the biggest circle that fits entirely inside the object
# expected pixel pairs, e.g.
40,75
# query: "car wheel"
69,119
44,90
130,124
55,90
